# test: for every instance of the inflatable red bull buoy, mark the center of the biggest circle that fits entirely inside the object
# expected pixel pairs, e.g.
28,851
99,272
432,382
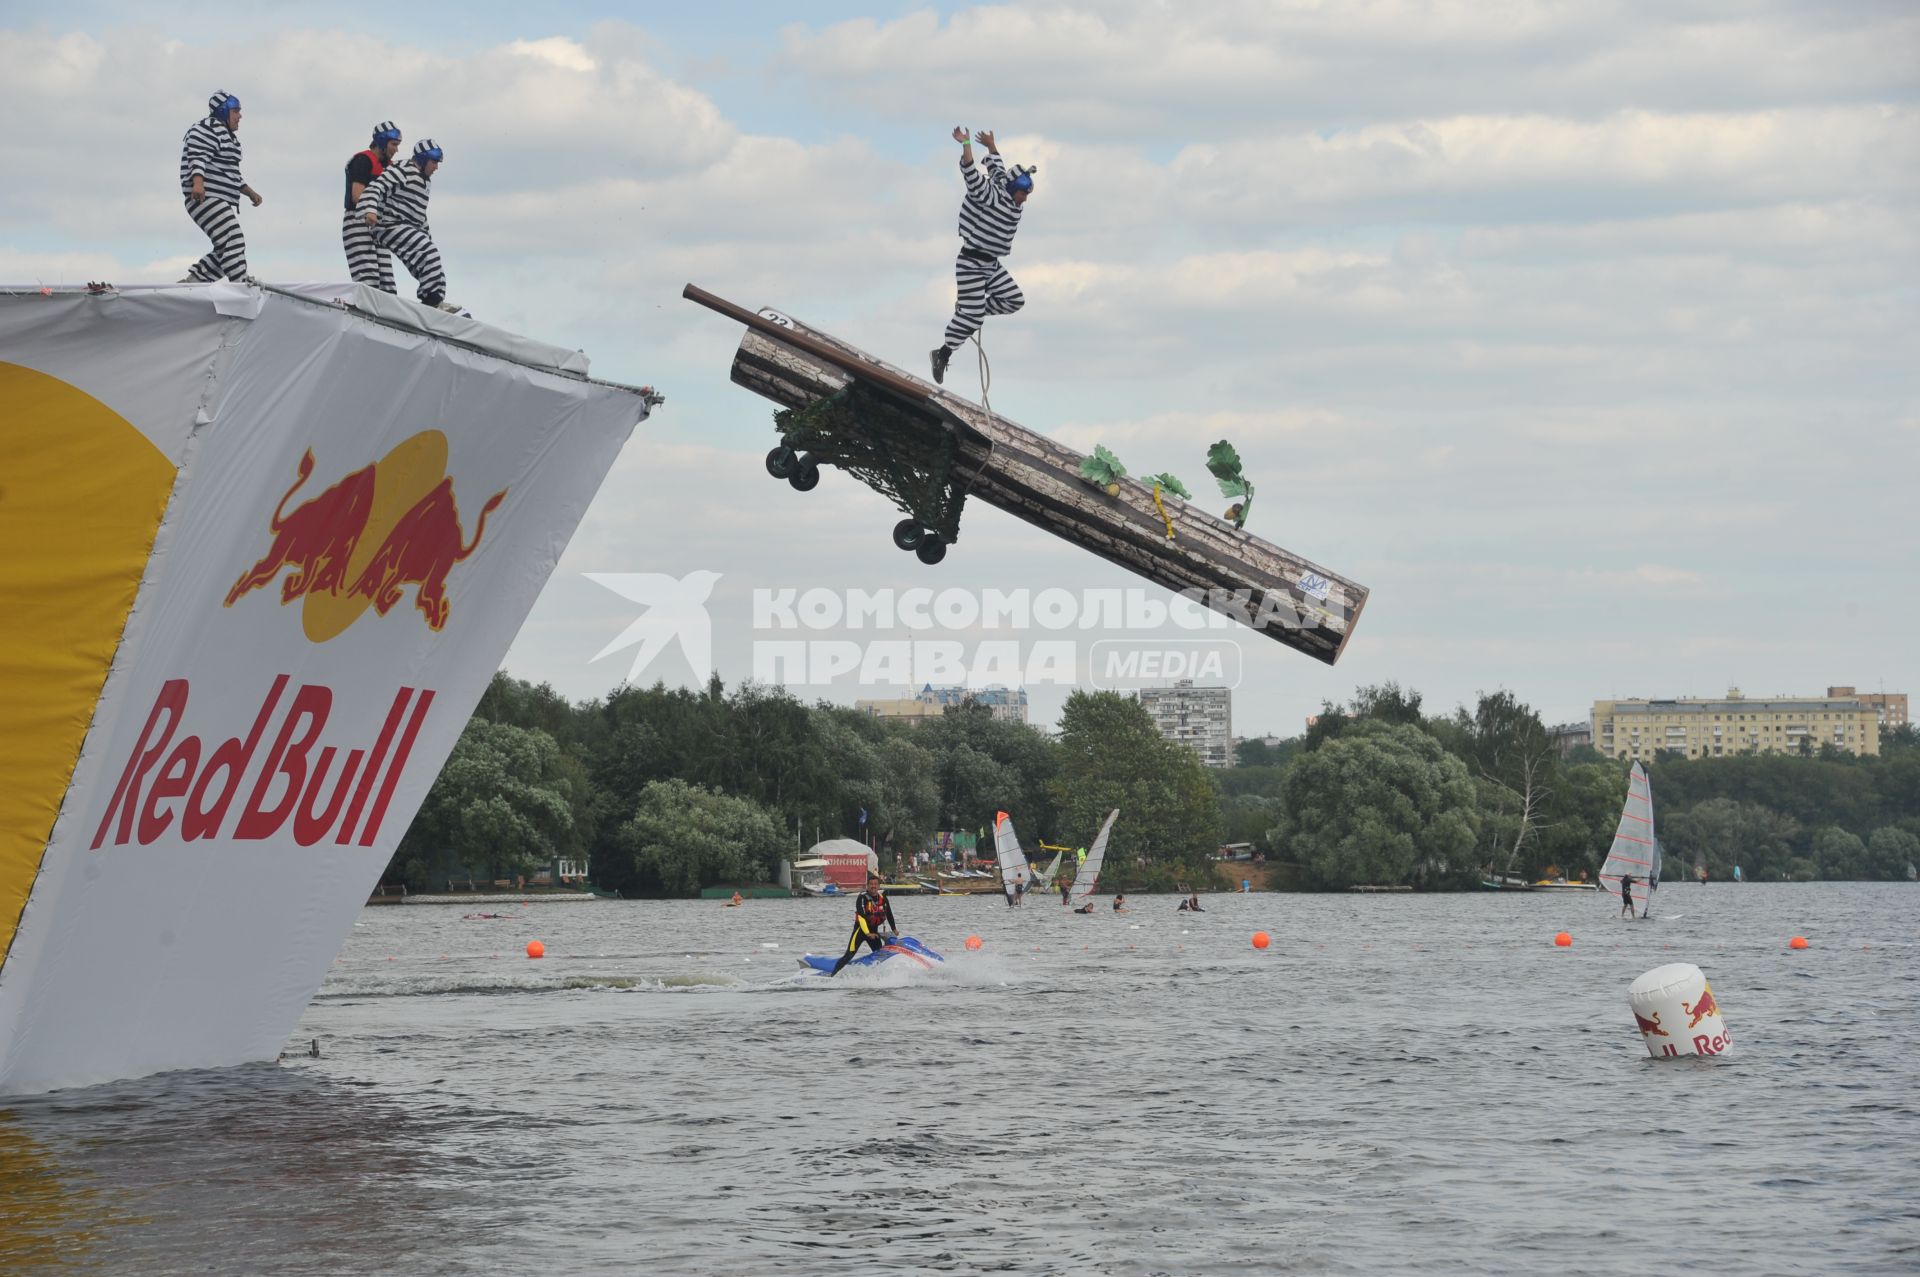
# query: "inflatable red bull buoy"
1676,1013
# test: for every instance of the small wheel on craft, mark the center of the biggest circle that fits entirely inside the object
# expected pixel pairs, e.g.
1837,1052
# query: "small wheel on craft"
805,476
781,461
908,534
932,548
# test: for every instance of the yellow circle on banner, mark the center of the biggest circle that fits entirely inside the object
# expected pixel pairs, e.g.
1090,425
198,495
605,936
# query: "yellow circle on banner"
400,480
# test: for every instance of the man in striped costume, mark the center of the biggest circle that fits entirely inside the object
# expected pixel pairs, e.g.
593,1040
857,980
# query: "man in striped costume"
367,262
210,183
989,215
395,206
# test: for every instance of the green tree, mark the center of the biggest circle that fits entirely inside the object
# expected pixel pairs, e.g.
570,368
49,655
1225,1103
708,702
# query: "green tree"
1112,756
1379,804
1838,855
504,803
1255,752
682,837
1889,851
984,764
1581,813
1727,833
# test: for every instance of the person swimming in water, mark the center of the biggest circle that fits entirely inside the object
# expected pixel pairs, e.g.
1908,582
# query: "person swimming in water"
1120,903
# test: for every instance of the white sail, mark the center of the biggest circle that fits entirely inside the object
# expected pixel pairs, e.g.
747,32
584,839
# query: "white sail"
1635,852
1045,877
1088,877
1013,861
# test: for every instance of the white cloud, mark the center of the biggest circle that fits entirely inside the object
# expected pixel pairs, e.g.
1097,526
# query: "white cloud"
1520,313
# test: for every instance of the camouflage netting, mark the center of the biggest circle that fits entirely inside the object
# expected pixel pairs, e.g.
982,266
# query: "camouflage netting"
906,456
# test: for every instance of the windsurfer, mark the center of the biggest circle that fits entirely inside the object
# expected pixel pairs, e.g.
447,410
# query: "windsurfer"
870,909
1626,894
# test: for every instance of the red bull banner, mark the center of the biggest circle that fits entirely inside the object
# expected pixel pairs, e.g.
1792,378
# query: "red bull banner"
264,553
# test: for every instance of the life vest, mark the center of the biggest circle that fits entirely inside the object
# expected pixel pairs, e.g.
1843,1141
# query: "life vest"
873,909
379,165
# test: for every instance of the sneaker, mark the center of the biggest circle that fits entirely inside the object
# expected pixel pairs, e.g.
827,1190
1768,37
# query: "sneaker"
940,358
451,309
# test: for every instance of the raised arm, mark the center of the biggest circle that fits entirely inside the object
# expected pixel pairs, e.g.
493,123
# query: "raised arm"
969,172
995,165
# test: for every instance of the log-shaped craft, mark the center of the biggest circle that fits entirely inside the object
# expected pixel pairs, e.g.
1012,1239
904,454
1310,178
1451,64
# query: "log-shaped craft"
1036,479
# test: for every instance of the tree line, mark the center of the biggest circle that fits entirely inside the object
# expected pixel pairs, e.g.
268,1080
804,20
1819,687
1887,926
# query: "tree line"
667,790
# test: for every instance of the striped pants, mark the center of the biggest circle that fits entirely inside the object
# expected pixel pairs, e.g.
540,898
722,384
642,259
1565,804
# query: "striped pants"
221,221
414,247
367,262
985,289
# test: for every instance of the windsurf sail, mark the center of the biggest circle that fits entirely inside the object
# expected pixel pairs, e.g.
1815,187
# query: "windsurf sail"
1013,861
1635,852
1088,876
1045,877
1736,874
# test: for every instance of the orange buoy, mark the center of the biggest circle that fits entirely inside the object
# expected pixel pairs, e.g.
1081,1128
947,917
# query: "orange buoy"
1798,942
1261,940
973,943
1563,940
535,949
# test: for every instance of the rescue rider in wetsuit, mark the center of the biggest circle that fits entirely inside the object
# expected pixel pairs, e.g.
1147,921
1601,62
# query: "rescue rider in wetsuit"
870,909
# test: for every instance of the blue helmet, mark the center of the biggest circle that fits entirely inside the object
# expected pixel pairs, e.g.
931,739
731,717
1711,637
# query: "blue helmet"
1022,179
222,105
426,149
384,132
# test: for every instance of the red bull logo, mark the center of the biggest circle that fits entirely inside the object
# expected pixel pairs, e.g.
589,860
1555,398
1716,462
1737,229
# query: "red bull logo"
1700,1010
362,541
309,781
1650,1026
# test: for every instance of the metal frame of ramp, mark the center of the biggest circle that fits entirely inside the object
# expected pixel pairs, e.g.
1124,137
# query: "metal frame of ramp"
1274,591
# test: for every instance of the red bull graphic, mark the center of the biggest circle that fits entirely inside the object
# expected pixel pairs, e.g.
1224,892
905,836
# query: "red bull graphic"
188,789
1700,1010
360,542
1650,1026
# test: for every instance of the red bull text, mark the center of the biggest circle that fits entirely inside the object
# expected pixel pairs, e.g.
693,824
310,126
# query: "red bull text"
189,790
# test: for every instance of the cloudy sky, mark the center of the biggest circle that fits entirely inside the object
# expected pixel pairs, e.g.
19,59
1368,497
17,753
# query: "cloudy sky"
1583,333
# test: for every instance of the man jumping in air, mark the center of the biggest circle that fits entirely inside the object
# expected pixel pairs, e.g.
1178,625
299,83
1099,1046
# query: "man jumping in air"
211,184
989,215
870,909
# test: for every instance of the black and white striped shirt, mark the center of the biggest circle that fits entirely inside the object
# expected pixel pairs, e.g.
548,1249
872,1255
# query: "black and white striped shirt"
399,196
211,152
988,215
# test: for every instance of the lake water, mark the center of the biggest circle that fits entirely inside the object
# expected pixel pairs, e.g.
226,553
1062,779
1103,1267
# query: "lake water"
1400,1083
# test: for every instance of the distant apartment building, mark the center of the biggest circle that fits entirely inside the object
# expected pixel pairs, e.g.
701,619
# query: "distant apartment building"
1568,737
1005,703
1201,718
1735,725
1890,706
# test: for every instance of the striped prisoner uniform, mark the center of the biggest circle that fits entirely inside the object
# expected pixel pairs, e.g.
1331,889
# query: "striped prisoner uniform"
988,219
367,262
211,152
399,196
